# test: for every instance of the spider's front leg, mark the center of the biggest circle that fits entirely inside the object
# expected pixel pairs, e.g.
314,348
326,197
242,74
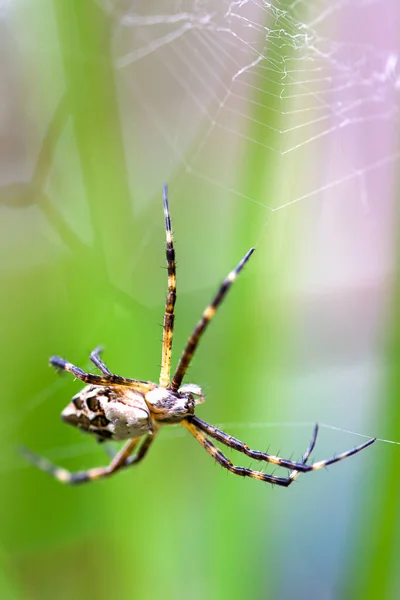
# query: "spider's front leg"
169,315
201,326
235,469
192,424
301,466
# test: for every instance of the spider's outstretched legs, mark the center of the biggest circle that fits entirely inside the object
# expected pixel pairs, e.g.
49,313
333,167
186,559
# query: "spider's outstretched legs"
227,464
59,363
281,481
96,360
240,446
208,314
120,461
169,316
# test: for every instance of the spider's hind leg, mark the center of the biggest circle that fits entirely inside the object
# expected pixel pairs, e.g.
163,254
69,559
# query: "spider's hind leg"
122,459
63,365
105,379
96,360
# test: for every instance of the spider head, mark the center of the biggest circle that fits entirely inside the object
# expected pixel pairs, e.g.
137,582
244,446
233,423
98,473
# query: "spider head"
171,407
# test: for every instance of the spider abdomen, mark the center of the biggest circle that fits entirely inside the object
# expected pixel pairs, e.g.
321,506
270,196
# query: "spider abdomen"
114,412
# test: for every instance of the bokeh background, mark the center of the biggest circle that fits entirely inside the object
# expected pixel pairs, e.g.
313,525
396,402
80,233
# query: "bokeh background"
275,125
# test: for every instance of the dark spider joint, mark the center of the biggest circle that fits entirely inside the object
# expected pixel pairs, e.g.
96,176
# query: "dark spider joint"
119,408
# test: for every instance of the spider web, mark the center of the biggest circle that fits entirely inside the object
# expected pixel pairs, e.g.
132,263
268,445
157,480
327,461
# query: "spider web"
288,79
300,96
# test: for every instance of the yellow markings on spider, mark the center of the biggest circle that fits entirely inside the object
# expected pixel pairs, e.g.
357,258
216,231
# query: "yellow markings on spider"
209,312
112,407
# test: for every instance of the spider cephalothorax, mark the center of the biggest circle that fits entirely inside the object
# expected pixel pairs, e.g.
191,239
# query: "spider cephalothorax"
167,406
118,408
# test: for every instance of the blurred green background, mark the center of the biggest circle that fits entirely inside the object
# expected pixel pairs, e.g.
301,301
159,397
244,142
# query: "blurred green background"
100,106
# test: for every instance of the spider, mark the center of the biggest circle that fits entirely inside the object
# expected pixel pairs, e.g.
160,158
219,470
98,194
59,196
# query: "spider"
118,408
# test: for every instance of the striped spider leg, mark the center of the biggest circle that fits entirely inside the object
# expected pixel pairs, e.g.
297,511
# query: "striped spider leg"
199,329
197,428
122,459
169,315
112,407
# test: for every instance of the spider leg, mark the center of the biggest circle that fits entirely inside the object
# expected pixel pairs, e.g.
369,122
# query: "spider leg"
121,460
227,464
59,363
294,474
208,314
96,360
240,446
169,316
